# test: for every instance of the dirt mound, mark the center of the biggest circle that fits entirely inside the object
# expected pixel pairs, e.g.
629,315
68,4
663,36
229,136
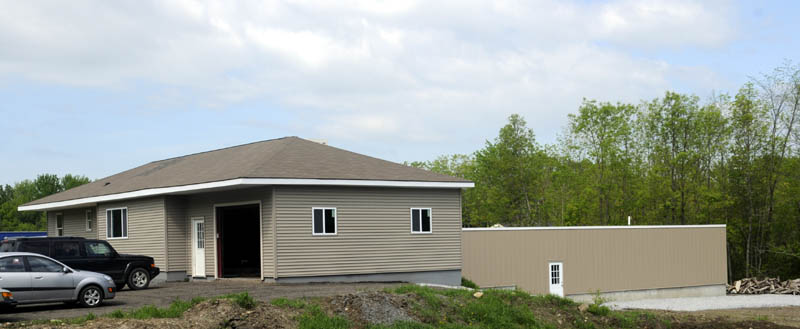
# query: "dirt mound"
372,307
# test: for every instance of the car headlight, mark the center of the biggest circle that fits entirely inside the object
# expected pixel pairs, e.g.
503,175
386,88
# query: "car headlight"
107,278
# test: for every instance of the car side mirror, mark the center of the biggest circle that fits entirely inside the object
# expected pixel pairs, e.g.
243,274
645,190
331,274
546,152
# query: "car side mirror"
66,270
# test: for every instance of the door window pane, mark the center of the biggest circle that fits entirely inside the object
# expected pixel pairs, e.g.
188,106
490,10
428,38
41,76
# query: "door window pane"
98,249
11,264
39,264
37,247
200,235
66,249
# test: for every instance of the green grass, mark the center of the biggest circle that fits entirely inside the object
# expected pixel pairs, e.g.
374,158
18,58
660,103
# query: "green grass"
243,299
283,302
174,310
467,283
599,310
316,318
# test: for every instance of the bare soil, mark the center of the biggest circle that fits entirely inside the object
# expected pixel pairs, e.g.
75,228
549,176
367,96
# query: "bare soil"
787,316
364,308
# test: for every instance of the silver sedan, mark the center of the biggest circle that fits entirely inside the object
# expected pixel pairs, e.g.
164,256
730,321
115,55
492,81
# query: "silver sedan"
34,278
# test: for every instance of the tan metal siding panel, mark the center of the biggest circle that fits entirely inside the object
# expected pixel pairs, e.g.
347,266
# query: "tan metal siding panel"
145,228
177,234
373,233
74,222
202,205
597,259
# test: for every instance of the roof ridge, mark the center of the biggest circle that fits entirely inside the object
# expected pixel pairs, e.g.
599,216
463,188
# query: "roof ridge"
274,154
222,148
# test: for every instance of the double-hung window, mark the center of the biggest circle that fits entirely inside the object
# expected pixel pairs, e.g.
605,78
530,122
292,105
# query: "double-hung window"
421,220
89,220
324,221
59,224
117,223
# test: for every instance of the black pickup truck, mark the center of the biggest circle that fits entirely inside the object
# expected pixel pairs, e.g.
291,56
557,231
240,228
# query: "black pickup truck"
91,255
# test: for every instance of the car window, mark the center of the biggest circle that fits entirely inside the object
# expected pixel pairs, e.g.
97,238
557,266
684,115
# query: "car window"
37,247
66,249
5,246
39,264
12,264
98,249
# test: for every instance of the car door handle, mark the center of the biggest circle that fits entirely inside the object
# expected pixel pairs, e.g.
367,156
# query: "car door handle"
38,277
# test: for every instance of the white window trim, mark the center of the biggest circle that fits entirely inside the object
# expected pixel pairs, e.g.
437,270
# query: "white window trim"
127,219
335,221
411,219
62,224
89,219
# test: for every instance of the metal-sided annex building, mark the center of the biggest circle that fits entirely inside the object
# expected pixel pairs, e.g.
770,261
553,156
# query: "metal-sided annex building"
286,209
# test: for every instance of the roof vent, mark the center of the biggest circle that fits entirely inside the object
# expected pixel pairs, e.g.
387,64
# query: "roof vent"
107,184
321,141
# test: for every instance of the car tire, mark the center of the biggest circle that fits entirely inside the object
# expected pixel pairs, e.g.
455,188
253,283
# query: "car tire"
138,279
90,296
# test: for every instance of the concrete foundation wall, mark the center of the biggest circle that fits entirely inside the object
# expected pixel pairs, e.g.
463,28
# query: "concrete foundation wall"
621,296
450,278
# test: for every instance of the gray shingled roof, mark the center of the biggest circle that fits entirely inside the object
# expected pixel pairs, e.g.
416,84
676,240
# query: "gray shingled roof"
288,157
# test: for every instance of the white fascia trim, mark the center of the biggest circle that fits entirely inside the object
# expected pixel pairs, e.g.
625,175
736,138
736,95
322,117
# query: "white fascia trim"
242,181
543,228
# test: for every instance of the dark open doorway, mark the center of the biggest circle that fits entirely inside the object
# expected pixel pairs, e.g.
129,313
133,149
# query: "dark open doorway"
238,241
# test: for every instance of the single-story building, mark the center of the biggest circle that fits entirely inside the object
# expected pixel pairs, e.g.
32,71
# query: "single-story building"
287,210
620,262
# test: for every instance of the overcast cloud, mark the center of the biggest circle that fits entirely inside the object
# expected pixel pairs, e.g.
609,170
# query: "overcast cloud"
415,79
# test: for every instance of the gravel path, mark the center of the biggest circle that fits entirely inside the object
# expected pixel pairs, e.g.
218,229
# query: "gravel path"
709,303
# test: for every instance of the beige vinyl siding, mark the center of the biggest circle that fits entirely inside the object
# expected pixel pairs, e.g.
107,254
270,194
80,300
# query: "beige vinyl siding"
145,228
74,223
202,205
373,233
177,234
597,259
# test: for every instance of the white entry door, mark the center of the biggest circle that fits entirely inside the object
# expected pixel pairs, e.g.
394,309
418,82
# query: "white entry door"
198,248
556,279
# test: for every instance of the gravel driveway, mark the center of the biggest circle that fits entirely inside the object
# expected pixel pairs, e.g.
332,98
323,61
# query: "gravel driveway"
163,294
709,303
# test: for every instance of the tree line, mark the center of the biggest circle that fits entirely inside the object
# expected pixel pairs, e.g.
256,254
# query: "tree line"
731,159
26,191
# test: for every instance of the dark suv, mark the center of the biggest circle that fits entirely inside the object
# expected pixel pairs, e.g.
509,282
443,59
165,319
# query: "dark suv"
91,255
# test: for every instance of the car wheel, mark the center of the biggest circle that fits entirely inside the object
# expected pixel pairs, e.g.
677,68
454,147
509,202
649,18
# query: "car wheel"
138,279
90,296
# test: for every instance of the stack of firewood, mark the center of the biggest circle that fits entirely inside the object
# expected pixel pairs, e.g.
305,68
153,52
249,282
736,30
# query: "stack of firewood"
765,286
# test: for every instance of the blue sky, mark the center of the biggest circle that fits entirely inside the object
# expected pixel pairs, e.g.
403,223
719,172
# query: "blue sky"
95,88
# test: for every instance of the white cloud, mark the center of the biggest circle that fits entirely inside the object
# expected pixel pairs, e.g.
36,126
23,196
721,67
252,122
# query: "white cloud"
408,71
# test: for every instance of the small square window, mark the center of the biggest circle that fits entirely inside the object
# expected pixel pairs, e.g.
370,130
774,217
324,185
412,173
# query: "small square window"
324,221
421,220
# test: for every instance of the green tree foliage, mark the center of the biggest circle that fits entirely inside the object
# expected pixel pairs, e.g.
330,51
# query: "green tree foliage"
25,191
672,160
